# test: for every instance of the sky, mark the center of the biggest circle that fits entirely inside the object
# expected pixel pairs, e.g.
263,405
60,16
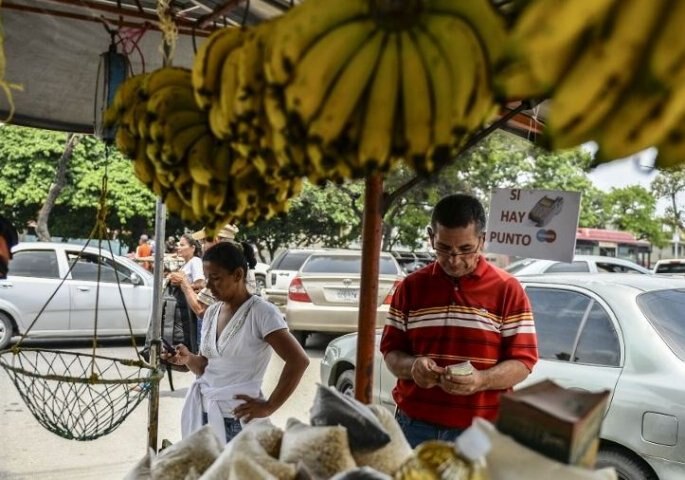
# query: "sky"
622,173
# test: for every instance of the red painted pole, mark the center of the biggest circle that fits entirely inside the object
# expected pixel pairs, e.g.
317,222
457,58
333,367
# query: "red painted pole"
368,293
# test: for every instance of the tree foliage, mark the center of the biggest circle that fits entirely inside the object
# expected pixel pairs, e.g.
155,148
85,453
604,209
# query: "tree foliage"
668,185
633,209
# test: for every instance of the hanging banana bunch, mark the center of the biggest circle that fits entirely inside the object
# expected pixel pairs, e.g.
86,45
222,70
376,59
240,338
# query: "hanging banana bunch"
362,82
614,71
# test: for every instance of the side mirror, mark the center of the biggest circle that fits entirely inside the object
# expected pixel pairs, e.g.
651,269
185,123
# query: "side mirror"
136,279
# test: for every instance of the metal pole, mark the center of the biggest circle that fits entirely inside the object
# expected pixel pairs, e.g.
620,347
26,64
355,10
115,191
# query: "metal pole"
368,289
155,330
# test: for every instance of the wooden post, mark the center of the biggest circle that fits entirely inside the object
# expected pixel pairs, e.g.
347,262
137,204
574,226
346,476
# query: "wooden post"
368,289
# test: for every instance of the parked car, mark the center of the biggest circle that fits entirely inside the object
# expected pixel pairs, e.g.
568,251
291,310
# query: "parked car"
37,270
410,261
621,332
581,263
324,295
261,270
282,270
672,266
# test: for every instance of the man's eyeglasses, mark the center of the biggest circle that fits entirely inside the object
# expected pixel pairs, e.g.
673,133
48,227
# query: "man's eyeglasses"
448,252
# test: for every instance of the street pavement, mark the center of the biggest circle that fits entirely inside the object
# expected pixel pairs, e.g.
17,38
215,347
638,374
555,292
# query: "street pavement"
28,451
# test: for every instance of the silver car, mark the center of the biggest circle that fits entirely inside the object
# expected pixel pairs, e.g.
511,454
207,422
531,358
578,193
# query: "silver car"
324,295
621,332
37,270
281,272
581,263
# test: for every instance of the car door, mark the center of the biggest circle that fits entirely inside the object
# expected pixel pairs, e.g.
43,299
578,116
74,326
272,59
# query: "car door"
34,275
578,342
111,317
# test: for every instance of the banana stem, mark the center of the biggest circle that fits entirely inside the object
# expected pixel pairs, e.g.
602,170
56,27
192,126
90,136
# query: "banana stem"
395,14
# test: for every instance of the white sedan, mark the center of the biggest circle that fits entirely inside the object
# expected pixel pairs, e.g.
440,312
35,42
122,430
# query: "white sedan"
41,270
621,332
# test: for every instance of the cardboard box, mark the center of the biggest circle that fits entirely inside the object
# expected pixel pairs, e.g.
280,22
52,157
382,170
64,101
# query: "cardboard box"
561,423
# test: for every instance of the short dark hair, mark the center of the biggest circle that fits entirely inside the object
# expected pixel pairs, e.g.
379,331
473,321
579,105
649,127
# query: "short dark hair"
459,210
227,255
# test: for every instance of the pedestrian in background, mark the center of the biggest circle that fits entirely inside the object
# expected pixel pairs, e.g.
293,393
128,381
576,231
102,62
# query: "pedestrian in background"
144,252
8,239
459,308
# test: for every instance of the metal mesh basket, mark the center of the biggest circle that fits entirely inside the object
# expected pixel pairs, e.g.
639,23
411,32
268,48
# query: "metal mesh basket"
78,396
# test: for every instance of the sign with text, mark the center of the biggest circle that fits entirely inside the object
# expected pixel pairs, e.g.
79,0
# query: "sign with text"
533,223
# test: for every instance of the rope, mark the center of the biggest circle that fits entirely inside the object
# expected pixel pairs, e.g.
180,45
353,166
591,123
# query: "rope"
169,30
6,86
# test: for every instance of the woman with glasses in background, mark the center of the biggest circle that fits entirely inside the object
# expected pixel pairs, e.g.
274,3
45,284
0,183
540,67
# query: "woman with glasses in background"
459,332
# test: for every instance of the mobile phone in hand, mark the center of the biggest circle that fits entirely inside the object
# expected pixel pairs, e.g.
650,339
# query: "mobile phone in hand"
168,347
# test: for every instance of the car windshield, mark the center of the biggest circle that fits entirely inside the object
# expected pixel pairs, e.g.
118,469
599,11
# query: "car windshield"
664,310
345,264
670,268
291,261
519,265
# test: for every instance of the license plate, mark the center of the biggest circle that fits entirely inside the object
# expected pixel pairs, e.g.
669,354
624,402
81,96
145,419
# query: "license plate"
348,295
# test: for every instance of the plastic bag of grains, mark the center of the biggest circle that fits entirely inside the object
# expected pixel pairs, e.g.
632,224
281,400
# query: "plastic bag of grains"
361,473
324,450
390,457
364,430
189,458
246,444
141,470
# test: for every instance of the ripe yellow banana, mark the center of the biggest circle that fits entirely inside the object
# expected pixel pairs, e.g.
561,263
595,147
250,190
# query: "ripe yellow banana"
304,25
170,99
226,99
590,90
126,143
250,74
197,201
671,154
125,96
346,92
199,158
213,200
416,104
182,142
206,74
221,161
667,54
183,185
549,34
377,132
643,119
164,77
440,75
463,53
142,168
173,202
320,65
483,19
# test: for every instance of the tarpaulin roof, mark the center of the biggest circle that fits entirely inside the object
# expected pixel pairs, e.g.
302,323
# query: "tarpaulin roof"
53,50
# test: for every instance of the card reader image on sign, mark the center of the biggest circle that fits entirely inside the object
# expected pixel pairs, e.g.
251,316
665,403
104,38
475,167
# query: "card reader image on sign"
545,209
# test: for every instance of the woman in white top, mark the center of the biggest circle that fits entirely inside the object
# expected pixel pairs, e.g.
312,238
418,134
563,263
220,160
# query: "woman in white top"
192,273
239,333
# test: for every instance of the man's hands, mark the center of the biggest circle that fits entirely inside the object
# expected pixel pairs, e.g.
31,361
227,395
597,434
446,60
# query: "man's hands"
427,374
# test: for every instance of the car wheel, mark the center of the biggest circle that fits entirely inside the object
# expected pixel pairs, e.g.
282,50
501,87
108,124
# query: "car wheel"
345,383
6,330
260,280
300,336
628,466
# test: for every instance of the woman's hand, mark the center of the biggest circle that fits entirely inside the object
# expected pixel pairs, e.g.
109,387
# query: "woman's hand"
425,372
252,408
181,356
176,278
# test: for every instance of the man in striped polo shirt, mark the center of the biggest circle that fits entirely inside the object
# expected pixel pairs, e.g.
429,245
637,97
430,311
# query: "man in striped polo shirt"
457,309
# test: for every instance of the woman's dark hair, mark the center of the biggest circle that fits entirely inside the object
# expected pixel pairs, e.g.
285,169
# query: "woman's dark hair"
227,255
193,243
459,210
249,255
